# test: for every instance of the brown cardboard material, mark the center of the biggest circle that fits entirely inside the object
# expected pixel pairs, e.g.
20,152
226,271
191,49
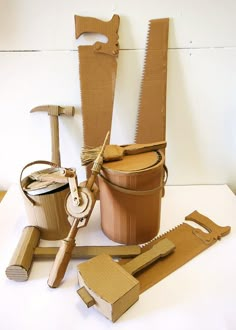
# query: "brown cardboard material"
130,197
97,71
189,242
28,250
79,208
152,99
152,102
110,287
45,207
54,111
114,152
21,260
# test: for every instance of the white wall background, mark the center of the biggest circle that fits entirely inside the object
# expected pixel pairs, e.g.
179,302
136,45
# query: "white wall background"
39,65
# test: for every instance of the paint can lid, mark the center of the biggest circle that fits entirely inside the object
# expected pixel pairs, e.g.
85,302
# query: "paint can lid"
134,163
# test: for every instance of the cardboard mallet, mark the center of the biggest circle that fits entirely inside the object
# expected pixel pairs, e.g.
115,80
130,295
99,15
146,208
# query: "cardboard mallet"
27,250
110,287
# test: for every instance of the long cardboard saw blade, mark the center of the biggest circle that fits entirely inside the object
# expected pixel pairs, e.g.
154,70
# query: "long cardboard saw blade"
151,118
189,242
97,72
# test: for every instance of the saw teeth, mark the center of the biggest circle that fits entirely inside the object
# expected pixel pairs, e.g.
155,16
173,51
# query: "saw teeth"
151,117
160,236
142,81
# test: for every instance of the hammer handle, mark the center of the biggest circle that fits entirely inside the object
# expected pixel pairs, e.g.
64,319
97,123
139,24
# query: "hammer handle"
54,123
159,250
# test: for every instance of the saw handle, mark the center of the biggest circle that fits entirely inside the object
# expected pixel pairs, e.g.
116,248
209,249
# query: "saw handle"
63,257
94,25
214,231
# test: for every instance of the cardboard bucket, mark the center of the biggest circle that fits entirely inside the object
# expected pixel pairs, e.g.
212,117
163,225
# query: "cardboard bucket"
130,197
45,205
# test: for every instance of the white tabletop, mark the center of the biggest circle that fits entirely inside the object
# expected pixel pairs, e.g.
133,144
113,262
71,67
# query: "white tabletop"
199,295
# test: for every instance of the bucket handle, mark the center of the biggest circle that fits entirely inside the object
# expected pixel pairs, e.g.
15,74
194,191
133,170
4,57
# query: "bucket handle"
42,162
136,192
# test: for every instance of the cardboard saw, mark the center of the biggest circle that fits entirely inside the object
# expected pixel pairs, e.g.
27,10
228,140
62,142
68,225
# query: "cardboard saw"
151,118
189,241
97,72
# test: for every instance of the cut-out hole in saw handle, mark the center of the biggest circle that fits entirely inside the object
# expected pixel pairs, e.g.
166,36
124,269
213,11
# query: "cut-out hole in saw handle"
214,231
88,39
107,28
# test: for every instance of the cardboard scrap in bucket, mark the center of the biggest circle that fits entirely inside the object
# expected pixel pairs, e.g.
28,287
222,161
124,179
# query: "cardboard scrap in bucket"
44,202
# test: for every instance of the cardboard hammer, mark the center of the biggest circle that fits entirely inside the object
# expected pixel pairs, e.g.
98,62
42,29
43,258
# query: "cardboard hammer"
27,250
110,287
54,111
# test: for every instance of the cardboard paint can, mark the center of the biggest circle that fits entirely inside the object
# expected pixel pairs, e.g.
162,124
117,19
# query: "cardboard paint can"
45,204
130,197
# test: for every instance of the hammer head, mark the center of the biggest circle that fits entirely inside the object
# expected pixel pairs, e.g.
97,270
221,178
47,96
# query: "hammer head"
112,288
55,110
20,264
109,286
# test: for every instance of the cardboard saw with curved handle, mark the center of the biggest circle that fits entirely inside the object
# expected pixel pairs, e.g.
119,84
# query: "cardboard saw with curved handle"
97,73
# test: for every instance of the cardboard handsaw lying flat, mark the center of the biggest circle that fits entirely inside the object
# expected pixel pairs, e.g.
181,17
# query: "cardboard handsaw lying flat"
97,72
151,118
189,242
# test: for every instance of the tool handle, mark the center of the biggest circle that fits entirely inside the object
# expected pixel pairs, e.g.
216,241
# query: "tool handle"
61,262
97,164
139,148
159,250
109,29
55,140
214,231
87,252
63,257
